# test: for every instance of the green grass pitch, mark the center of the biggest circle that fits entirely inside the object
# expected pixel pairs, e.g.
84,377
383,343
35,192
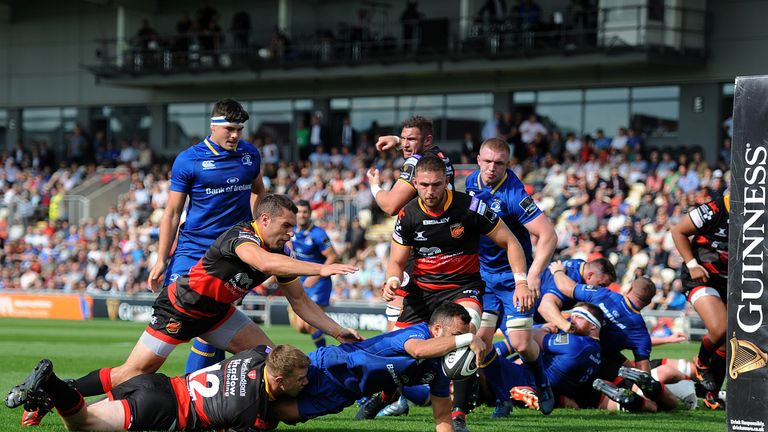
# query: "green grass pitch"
77,347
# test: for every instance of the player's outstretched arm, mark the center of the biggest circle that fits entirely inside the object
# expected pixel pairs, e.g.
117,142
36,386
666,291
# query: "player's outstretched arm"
550,309
565,284
276,264
310,312
441,410
387,142
169,226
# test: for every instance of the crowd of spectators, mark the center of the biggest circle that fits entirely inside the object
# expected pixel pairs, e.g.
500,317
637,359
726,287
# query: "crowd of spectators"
608,196
203,39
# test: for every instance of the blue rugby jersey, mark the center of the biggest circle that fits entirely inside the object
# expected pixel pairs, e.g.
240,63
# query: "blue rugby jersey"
624,326
381,363
573,269
570,360
310,244
218,183
514,206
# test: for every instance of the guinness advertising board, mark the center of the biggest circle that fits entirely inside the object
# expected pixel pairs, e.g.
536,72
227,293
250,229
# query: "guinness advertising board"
747,336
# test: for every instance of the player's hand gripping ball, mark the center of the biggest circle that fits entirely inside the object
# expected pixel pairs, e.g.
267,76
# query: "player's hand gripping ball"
460,363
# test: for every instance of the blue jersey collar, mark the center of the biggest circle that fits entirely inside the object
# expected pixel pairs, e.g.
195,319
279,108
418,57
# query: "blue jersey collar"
217,149
495,188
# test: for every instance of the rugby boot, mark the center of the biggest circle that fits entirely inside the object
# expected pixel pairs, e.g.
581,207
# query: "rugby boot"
502,409
713,402
460,423
644,380
546,399
21,393
619,395
705,377
398,408
371,407
37,406
526,395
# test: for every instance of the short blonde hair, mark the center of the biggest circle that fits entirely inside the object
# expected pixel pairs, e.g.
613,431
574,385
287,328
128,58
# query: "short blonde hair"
283,360
496,144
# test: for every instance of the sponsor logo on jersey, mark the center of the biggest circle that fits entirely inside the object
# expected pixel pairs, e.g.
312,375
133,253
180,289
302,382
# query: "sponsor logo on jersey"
430,251
173,326
246,160
435,221
209,164
528,205
173,277
457,230
561,339
252,374
233,180
420,236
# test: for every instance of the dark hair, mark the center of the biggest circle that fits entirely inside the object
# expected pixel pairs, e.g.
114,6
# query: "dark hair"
445,313
594,310
304,203
231,110
430,163
605,267
423,124
273,205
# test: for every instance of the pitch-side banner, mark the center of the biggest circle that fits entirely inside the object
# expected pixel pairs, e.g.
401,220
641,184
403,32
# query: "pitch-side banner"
747,337
45,306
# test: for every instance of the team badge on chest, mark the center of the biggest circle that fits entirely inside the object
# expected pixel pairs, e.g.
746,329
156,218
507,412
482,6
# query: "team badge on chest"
457,230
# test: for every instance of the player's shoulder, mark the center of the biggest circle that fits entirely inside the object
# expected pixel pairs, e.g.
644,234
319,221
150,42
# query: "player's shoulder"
247,147
412,160
318,231
244,231
471,180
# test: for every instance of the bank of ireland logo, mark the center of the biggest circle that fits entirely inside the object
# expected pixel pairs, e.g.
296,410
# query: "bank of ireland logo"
173,277
232,180
247,159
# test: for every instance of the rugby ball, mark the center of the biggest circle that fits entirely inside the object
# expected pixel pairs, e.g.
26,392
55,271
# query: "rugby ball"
459,364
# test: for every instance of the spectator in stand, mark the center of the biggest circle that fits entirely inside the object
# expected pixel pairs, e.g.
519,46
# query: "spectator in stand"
602,143
620,142
530,128
572,146
491,127
410,19
318,134
78,150
348,138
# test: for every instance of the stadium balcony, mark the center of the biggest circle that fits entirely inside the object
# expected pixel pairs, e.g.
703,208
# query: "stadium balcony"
605,37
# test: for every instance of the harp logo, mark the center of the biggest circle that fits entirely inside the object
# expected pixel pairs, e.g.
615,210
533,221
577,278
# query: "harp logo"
745,357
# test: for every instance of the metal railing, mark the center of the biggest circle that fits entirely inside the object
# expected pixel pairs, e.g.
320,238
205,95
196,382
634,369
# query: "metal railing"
608,30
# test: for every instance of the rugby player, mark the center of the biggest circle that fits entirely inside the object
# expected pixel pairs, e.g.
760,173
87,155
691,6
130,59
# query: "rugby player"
200,304
570,359
215,175
702,240
234,394
311,243
505,194
442,229
339,375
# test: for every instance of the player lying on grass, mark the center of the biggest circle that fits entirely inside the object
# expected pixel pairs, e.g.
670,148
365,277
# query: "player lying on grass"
570,360
340,375
234,394
200,304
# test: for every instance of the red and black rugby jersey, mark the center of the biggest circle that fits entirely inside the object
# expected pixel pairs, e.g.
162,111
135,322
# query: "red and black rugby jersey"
220,277
232,394
710,243
445,245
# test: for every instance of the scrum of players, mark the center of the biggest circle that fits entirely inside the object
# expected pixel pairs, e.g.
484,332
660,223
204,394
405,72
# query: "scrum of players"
462,267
